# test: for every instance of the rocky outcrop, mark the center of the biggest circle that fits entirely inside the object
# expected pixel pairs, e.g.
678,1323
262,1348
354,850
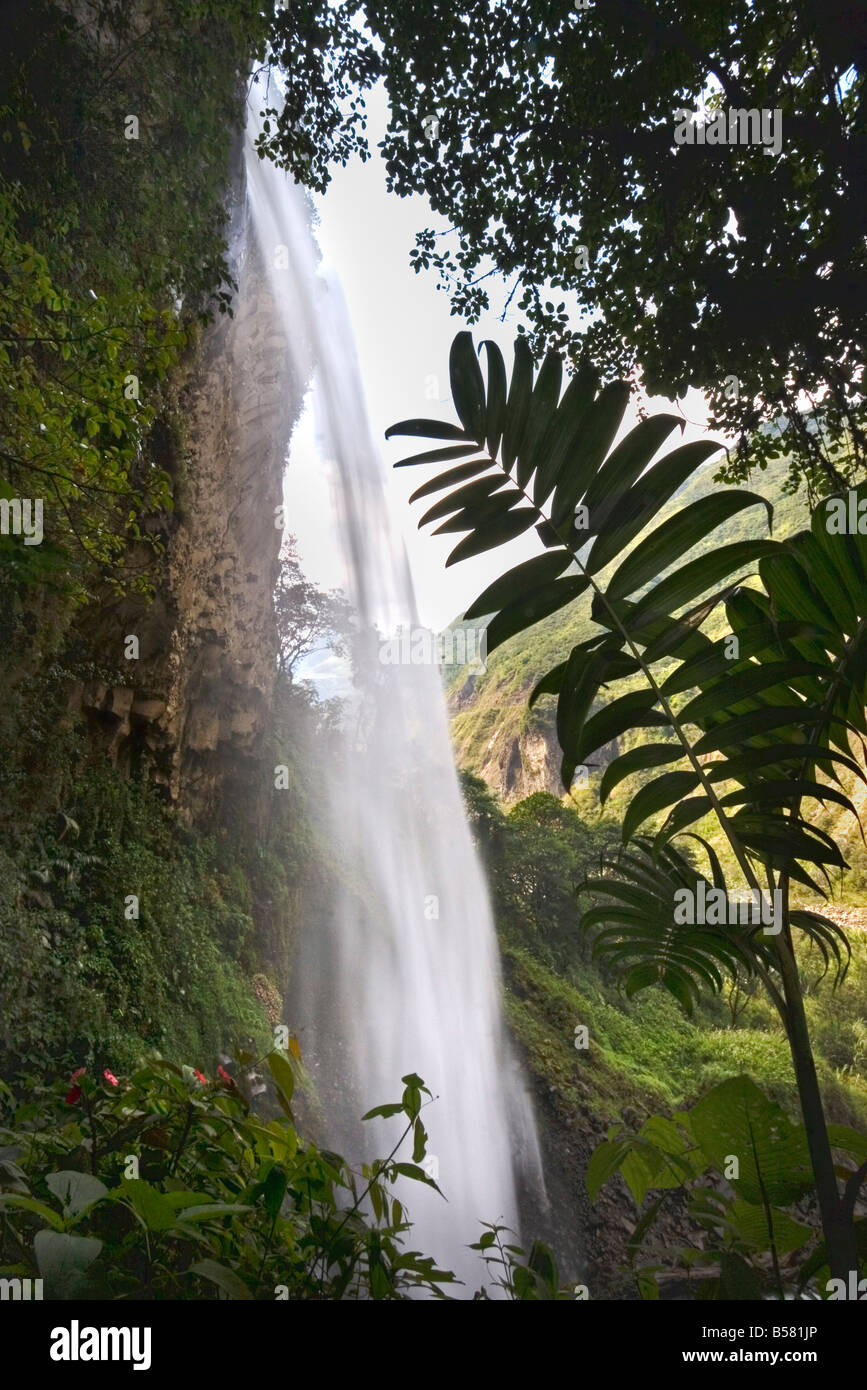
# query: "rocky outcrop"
194,709
519,765
519,761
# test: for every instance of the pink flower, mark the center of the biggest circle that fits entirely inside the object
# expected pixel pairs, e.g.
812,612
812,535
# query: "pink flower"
73,1095
203,1079
225,1077
110,1077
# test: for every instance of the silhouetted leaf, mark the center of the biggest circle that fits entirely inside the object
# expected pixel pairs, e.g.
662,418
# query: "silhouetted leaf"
480,512
463,498
675,537
518,407
496,400
453,475
636,760
753,679
625,465
518,582
561,448
550,684
598,429
467,386
641,504
439,455
649,800
536,605
431,429
631,711
540,417
497,532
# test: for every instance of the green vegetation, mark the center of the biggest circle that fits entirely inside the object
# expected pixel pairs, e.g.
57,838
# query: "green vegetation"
82,978
112,253
555,161
208,956
113,223
165,1185
133,942
643,1052
756,717
753,1235
497,700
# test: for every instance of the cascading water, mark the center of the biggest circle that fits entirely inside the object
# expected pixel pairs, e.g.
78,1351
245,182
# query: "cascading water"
407,976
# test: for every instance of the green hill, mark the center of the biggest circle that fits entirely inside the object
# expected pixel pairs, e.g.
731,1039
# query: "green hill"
514,749
644,1055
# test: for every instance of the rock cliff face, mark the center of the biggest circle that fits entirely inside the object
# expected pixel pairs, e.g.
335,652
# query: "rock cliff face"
193,713
518,758
517,765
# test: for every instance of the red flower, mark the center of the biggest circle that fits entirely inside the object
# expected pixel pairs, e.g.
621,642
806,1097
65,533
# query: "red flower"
225,1077
110,1077
73,1095
203,1079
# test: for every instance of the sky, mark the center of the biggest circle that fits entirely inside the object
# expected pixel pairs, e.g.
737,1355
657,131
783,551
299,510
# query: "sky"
403,331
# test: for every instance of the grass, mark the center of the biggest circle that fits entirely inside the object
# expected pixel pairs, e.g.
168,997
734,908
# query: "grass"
646,1054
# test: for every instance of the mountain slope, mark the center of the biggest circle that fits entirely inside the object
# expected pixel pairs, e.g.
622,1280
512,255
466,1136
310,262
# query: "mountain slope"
514,749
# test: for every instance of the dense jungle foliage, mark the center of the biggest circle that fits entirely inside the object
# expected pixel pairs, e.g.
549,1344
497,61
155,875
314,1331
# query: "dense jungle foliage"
133,1154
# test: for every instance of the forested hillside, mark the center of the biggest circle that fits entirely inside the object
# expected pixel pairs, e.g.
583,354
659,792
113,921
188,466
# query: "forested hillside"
540,844
330,975
513,748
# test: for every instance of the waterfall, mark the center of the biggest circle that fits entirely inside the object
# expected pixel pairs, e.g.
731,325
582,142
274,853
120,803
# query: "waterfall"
407,977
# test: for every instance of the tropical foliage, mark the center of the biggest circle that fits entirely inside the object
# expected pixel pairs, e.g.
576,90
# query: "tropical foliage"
745,1170
543,137
752,720
112,253
167,1185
